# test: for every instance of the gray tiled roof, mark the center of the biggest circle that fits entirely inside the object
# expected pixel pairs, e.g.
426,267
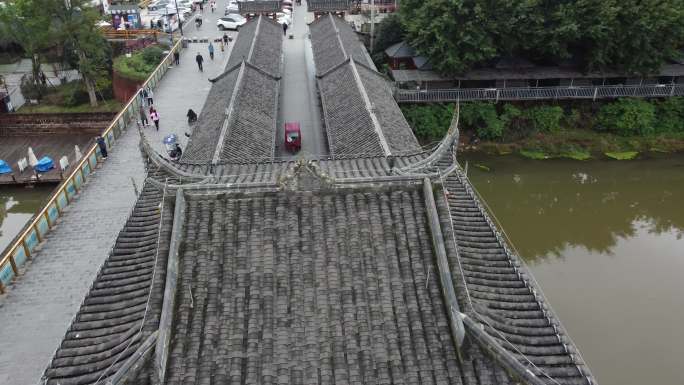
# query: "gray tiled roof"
334,41
206,132
348,122
397,131
251,131
360,113
259,43
247,96
327,5
260,6
314,288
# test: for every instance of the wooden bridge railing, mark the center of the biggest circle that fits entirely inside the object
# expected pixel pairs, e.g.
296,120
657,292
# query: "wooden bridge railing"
540,93
130,34
24,245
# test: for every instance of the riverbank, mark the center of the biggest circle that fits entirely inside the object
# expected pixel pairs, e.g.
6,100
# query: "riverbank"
579,144
620,129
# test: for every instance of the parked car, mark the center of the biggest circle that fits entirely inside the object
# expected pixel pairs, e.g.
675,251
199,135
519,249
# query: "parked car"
232,21
232,8
158,5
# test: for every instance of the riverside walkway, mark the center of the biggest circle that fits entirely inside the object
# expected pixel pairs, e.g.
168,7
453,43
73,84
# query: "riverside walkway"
38,308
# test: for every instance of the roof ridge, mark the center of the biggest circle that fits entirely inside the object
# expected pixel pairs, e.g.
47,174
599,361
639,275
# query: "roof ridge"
333,68
254,39
229,113
370,107
262,71
225,73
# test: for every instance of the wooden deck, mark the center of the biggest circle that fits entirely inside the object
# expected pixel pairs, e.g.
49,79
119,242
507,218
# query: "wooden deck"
13,148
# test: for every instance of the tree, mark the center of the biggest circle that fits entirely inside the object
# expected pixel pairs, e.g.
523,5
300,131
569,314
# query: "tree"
76,27
631,36
390,31
27,23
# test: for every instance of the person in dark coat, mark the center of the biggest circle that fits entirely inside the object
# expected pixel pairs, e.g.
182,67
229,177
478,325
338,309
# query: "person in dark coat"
176,57
225,38
143,118
284,28
199,59
103,146
192,116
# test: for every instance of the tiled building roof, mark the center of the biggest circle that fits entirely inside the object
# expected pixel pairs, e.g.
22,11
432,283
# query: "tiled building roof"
238,120
359,110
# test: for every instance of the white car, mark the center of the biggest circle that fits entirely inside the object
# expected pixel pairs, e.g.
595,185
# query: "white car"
232,8
230,22
283,19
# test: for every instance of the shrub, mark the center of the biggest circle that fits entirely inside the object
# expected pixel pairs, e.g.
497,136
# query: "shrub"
627,117
429,121
140,65
482,116
152,55
545,118
73,94
670,115
32,89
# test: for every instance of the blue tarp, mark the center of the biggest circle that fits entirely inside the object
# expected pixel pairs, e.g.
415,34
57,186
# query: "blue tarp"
45,164
4,167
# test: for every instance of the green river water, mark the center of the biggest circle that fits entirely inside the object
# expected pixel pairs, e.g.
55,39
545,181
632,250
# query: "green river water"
603,238
17,206
605,241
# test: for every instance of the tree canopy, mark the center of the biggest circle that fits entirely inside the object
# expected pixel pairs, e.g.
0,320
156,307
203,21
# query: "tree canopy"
632,36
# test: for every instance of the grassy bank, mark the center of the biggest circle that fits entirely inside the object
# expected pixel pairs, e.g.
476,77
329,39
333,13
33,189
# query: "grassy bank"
619,129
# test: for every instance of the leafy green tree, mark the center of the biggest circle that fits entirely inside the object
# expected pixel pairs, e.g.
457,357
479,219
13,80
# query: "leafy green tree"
483,117
632,36
27,23
390,31
670,112
628,117
76,27
545,118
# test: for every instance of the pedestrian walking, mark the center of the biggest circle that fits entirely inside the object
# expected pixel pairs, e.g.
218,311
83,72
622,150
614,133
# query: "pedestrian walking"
284,28
225,38
176,57
213,6
222,45
143,94
150,96
199,59
143,118
211,51
154,115
201,7
103,146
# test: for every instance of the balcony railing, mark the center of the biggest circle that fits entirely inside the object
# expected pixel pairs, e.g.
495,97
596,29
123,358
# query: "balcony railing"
537,93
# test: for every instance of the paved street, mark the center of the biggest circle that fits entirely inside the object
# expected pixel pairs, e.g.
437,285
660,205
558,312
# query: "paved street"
298,100
39,307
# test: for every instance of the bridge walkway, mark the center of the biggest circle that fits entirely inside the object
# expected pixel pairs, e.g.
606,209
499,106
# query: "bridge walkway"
38,308
299,101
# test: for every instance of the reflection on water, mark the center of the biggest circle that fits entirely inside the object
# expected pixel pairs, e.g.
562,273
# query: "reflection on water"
605,241
17,206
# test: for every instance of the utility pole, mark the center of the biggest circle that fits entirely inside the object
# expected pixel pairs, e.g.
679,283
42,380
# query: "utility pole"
372,33
180,23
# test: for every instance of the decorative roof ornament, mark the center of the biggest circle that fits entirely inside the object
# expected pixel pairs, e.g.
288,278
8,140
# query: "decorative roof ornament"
306,176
